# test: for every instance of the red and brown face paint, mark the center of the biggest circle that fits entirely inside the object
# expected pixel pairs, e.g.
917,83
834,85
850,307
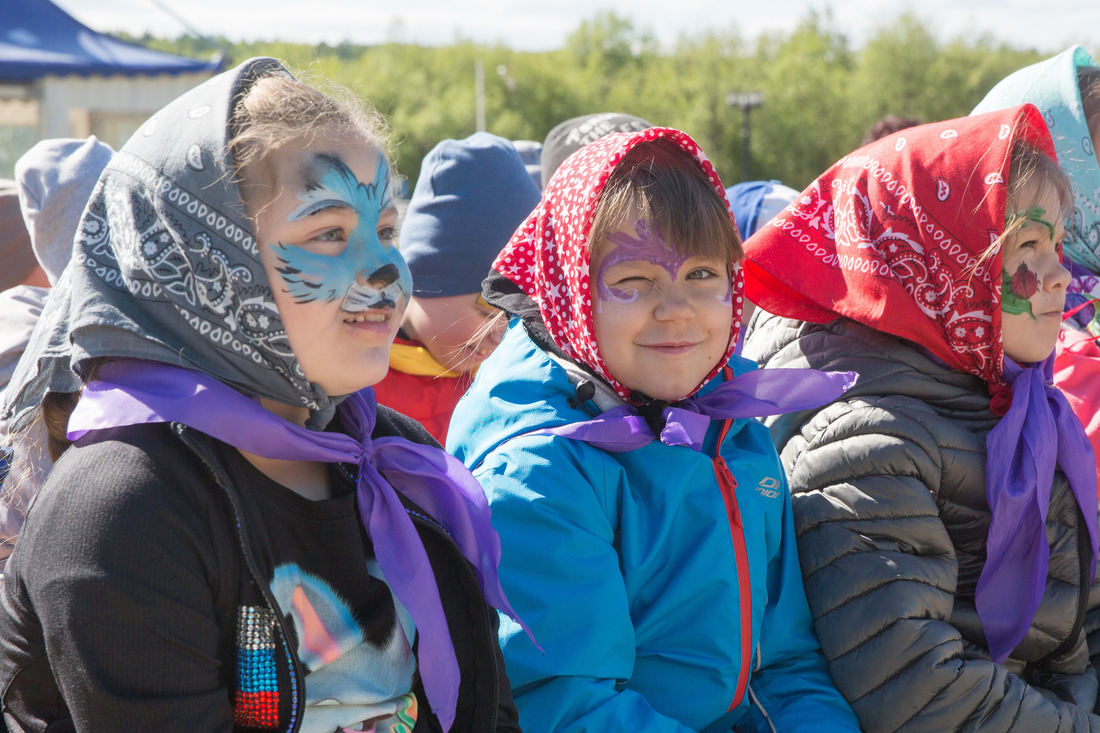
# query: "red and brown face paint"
1017,287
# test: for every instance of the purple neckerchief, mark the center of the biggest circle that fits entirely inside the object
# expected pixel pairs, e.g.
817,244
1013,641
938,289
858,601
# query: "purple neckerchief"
132,392
1038,433
758,393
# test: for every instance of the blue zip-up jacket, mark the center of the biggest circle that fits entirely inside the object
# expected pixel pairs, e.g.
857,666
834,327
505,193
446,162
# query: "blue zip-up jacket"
662,583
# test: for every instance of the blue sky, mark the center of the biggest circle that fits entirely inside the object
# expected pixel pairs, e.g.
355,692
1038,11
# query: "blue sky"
1047,26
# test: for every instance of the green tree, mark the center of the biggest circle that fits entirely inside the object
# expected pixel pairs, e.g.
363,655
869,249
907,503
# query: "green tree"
820,93
806,123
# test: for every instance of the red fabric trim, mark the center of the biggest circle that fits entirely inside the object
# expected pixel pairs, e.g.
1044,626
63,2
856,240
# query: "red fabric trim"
428,400
1076,371
771,294
727,484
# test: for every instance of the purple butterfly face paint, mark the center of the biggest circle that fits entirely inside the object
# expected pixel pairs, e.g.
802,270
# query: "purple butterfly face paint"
662,320
648,245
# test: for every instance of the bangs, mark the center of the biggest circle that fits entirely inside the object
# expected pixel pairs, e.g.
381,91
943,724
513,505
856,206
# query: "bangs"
1032,175
660,183
1036,173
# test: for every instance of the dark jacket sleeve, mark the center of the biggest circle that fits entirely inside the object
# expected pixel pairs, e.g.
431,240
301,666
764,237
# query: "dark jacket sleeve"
881,575
507,715
115,578
1092,631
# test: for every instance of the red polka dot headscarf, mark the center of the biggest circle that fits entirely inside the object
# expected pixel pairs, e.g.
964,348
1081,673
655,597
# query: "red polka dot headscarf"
893,234
547,257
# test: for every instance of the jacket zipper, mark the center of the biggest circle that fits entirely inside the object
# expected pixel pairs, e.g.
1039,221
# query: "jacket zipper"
727,484
297,684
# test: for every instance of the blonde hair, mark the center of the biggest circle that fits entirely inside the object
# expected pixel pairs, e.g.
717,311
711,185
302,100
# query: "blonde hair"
1032,173
664,185
278,109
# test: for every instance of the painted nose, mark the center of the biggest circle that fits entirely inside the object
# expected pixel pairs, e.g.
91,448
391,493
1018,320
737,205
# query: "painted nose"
380,278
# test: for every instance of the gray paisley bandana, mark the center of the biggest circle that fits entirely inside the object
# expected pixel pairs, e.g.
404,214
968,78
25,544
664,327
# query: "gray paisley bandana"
165,267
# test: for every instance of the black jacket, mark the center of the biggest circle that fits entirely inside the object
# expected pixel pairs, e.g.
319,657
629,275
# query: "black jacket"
151,510
888,488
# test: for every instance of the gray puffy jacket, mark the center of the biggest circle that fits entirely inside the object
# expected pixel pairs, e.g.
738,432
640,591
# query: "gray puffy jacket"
888,487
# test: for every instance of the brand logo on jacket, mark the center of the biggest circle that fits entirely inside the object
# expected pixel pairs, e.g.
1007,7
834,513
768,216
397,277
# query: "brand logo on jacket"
768,487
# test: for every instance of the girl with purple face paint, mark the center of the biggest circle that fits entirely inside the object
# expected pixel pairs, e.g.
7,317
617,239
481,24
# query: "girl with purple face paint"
643,512
238,537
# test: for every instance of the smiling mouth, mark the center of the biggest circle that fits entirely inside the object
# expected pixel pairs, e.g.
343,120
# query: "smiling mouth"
671,348
380,315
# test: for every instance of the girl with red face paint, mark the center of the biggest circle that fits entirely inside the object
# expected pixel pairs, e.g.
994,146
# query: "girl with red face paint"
946,505
1066,89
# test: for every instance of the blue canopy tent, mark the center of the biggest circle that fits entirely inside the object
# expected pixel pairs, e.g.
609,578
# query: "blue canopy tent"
62,79
38,38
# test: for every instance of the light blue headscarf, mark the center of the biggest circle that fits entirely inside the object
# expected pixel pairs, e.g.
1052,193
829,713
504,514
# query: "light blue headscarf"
1051,85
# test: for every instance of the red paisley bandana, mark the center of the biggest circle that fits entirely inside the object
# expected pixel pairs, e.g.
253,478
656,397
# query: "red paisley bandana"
890,236
548,255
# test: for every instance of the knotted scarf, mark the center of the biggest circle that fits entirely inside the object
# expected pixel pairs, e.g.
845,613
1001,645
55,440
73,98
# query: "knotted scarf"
166,271
892,236
1019,474
757,393
131,392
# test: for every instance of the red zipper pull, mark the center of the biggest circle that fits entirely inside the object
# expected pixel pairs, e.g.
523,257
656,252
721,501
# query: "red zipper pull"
728,484
723,472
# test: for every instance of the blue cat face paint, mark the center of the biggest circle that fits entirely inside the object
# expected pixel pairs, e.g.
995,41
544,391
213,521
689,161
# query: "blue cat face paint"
366,274
323,216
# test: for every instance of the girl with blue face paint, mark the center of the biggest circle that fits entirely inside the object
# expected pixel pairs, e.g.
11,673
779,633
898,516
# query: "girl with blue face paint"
238,537
327,243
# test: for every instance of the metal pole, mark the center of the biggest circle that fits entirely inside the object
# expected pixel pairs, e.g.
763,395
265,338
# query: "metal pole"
479,95
746,101
746,149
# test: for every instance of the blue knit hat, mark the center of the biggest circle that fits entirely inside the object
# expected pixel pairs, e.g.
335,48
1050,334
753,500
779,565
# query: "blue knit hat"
471,196
755,203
